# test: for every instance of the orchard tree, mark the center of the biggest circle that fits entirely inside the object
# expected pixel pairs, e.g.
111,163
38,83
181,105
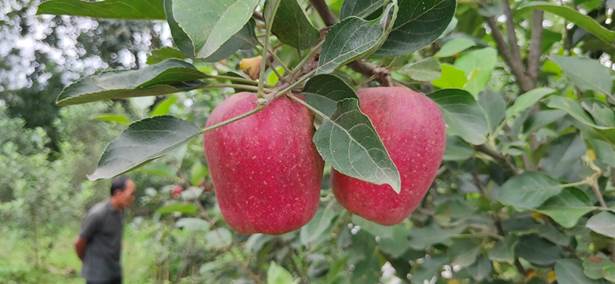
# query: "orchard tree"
502,108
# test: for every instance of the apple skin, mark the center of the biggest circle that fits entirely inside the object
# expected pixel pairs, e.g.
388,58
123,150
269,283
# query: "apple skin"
265,169
412,129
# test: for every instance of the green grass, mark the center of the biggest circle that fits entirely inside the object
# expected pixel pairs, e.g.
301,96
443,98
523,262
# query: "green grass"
61,265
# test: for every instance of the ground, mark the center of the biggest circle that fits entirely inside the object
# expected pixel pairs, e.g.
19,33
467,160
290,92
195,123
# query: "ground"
62,264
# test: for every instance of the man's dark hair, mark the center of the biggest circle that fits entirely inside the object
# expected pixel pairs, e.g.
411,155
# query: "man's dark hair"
118,184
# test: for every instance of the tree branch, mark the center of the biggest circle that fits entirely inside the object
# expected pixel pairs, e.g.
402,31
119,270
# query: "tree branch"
534,57
511,34
258,16
499,40
496,156
324,12
496,219
516,66
381,74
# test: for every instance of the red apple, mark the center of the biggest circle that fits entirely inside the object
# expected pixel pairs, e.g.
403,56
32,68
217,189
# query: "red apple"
265,169
176,192
412,129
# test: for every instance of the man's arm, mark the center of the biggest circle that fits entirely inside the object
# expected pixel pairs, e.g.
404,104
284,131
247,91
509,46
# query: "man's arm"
80,245
89,227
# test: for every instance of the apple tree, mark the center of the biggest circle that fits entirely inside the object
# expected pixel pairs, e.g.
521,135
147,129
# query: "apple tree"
431,141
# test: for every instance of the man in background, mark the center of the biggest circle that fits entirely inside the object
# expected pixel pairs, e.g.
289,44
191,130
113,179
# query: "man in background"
99,244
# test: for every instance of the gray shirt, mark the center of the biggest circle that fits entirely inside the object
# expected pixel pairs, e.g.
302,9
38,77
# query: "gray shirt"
102,229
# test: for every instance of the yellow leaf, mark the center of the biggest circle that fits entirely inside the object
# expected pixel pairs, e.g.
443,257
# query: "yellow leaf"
551,276
251,66
590,154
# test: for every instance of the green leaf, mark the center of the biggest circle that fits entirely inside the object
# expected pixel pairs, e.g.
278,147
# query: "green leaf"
121,119
418,23
198,172
563,159
362,255
528,190
463,252
278,275
354,38
455,46
457,149
272,77
324,91
169,76
451,78
494,107
192,224
374,229
143,141
191,194
478,65
597,267
396,245
348,140
602,223
587,23
481,269
292,26
602,114
161,54
318,225
606,133
422,238
537,250
244,39
605,152
463,116
567,207
164,107
552,233
201,27
543,118
184,208
574,109
424,70
428,269
585,73
109,9
527,100
219,238
504,250
569,271
361,9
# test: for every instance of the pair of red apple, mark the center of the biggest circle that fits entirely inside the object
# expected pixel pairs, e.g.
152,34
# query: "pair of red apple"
267,173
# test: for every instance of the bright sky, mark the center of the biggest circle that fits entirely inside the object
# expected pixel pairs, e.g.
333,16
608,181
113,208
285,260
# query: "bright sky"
17,48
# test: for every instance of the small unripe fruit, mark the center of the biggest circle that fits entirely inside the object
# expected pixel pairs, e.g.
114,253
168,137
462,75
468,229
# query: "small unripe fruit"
265,169
412,129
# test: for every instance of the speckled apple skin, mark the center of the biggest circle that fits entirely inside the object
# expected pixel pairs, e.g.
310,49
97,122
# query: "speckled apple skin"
412,129
265,169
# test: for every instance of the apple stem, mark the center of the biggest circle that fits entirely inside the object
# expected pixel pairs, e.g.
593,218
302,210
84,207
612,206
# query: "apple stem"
261,78
297,69
289,87
277,59
313,109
